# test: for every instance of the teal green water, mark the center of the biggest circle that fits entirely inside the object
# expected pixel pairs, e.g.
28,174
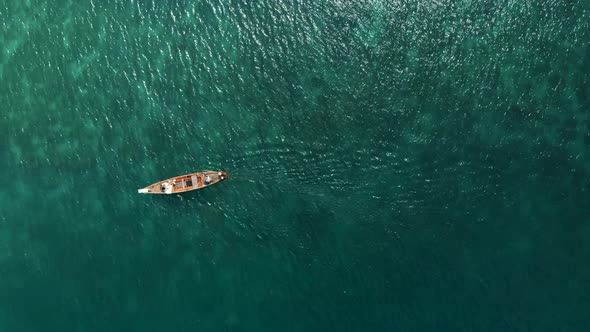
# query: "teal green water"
397,165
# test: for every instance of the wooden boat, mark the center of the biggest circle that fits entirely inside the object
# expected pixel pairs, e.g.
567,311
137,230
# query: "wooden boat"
184,183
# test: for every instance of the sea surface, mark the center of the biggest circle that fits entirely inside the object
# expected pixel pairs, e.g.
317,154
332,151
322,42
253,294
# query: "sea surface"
409,165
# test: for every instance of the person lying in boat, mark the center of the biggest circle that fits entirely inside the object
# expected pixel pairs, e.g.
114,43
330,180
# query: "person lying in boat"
207,179
167,187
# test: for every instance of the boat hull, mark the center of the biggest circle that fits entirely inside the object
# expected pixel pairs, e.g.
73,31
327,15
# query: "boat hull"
184,183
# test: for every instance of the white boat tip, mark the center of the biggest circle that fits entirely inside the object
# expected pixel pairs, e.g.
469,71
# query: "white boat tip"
142,191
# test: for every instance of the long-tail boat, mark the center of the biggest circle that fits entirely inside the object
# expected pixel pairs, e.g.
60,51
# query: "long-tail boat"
184,183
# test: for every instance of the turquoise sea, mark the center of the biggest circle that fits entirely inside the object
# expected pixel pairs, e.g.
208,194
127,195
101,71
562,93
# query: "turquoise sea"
397,165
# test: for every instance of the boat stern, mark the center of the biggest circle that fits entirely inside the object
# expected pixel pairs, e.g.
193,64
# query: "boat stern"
143,191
